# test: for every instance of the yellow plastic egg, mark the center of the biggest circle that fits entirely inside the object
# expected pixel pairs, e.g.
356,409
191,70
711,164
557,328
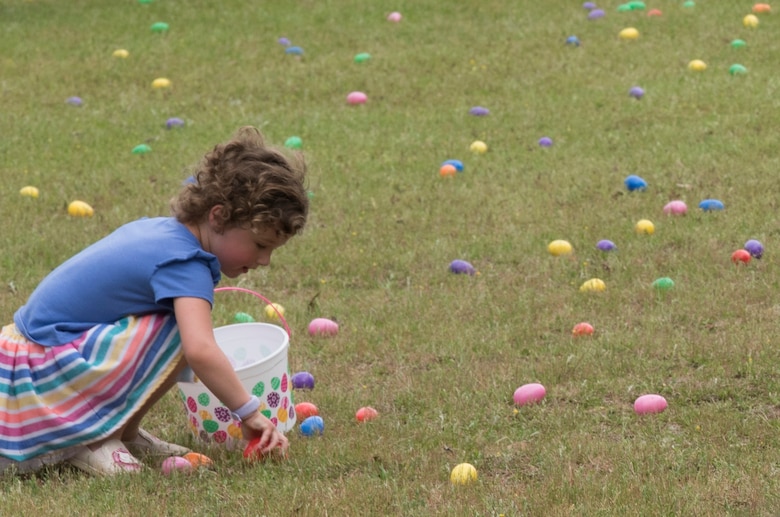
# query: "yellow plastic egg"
161,82
273,314
559,247
697,65
644,226
478,147
750,21
593,285
29,191
629,33
463,474
121,53
80,209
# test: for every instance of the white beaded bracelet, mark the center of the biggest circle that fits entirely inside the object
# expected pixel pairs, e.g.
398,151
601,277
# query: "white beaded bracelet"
247,410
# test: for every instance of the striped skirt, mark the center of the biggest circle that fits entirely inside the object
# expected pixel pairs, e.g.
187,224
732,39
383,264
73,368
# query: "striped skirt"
53,400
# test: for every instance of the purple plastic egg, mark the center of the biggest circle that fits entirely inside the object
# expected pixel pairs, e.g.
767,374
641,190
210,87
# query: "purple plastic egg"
636,92
479,111
174,122
284,41
755,248
595,14
589,5
303,381
74,101
461,267
606,245
545,141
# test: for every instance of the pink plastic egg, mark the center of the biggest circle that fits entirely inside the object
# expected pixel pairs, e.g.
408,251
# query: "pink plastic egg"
365,414
675,208
323,327
529,394
357,98
647,404
394,17
582,329
176,464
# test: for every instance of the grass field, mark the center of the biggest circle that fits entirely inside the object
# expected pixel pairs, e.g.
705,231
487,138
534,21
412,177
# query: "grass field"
438,355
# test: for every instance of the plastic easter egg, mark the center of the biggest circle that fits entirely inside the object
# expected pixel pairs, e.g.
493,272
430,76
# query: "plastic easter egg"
295,51
750,21
447,171
160,27
589,5
582,329
606,245
689,4
121,53
243,317
312,425
198,460
355,98
622,8
174,122
545,141
636,92
175,464
141,149
654,12
394,17
306,409
161,83
738,43
144,1
629,33
649,404
362,57
455,163
634,182
529,394
478,147
636,5
755,248
663,284
697,65
644,226
676,207
323,327
29,191
595,14
708,205
461,267
559,247
479,111
762,8
294,142
741,257
737,69
74,101
365,414
284,41
593,285
80,209
574,41
274,312
302,381
463,474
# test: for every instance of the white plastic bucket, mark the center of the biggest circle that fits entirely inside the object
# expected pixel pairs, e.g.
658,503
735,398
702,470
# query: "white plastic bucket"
258,352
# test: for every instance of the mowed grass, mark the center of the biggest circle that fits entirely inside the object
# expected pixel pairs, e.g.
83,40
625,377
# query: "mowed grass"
438,355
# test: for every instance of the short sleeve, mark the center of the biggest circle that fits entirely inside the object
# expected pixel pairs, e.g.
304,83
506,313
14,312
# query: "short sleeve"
192,278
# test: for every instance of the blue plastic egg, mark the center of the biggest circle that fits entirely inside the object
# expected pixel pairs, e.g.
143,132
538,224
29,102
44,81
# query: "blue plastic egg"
455,163
312,425
634,182
711,204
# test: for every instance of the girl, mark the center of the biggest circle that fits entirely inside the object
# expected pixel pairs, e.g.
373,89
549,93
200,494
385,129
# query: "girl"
105,335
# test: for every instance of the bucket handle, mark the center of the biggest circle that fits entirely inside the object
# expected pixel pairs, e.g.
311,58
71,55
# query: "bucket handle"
258,295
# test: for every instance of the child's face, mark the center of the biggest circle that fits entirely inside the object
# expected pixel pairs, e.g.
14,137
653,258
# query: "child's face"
242,249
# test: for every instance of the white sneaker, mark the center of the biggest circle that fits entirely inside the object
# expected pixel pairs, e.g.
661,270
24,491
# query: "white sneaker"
148,444
110,459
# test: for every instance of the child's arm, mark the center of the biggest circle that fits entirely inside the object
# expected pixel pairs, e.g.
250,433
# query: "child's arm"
212,367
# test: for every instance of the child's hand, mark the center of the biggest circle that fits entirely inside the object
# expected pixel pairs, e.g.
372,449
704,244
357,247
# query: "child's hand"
268,437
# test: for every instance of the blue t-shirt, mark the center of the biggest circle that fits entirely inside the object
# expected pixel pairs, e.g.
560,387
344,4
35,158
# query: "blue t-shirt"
138,269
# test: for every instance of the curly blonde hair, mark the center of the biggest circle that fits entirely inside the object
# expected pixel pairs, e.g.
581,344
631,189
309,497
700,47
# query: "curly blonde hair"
257,186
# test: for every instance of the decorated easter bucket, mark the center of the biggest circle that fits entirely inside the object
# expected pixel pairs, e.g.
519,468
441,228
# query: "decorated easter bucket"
258,353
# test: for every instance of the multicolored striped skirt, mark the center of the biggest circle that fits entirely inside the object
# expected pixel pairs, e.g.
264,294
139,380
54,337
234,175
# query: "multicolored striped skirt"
53,400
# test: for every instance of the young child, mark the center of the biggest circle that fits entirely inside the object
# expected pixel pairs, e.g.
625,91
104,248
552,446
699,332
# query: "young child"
105,335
